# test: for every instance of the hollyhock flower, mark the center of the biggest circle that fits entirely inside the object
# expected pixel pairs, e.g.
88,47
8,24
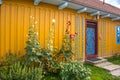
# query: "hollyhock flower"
36,22
69,23
72,36
53,20
67,31
76,33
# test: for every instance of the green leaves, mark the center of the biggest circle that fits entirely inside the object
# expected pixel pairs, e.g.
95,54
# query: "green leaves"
74,71
20,72
32,48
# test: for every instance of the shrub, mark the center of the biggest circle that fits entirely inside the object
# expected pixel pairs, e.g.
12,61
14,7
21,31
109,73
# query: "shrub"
9,59
20,72
74,71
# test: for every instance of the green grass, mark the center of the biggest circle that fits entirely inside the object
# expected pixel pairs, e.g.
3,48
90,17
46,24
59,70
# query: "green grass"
115,59
100,74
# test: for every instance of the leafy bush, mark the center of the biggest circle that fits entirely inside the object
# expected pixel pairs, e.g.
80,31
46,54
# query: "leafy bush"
9,59
74,71
49,61
20,72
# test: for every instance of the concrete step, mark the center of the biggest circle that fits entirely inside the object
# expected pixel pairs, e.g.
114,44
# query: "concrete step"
103,64
111,67
96,61
116,72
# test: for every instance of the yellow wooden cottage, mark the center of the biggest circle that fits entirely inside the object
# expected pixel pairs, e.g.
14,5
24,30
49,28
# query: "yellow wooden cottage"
97,25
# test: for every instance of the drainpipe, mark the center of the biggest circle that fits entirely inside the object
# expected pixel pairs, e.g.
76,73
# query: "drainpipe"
83,39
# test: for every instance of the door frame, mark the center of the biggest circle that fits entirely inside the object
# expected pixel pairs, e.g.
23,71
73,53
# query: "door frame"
96,38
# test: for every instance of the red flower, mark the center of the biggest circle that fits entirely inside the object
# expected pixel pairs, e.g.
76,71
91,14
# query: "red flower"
72,36
68,23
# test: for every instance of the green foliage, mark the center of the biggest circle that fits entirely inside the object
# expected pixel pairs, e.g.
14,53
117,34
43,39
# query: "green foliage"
20,72
51,38
66,47
32,48
115,59
9,59
74,71
49,61
50,54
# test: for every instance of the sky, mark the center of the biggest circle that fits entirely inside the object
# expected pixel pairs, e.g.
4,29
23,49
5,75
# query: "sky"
113,2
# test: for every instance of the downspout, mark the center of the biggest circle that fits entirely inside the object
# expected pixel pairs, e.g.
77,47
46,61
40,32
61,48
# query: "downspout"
83,39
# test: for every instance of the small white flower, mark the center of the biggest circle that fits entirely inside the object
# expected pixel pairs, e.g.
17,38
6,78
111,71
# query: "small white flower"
33,25
36,33
36,22
53,20
31,16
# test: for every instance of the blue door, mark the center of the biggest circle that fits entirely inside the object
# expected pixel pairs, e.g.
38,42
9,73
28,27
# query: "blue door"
91,40
90,47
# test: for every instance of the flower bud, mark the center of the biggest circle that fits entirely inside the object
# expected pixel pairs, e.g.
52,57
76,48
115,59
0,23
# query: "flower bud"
53,20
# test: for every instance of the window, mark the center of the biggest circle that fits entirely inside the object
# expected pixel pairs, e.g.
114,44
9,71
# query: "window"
118,34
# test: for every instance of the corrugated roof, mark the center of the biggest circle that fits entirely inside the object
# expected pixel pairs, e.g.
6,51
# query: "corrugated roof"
96,4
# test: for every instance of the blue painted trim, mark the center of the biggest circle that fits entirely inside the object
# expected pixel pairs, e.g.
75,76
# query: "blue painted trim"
117,33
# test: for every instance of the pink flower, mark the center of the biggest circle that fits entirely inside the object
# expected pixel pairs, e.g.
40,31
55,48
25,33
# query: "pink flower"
72,36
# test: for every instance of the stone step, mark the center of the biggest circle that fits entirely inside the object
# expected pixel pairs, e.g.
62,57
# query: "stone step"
97,61
103,64
116,73
111,67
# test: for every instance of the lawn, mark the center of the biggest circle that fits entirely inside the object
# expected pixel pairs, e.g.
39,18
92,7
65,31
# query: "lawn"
100,74
115,59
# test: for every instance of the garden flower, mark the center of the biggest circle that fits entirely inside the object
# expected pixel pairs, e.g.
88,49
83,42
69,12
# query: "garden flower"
53,20
72,36
68,23
31,16
36,22
76,33
33,26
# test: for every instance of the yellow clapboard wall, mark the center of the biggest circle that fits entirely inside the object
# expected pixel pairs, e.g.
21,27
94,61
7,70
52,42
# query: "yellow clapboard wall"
15,21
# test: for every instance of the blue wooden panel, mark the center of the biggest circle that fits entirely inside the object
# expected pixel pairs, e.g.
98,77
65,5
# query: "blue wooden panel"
90,47
118,34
